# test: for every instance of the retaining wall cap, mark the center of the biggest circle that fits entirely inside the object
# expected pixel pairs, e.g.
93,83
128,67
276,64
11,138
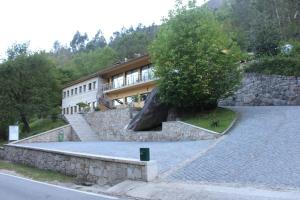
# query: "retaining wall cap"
89,156
43,133
203,129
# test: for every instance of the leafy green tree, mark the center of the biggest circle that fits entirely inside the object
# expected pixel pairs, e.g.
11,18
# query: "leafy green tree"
196,61
133,41
28,88
261,25
79,42
16,50
98,41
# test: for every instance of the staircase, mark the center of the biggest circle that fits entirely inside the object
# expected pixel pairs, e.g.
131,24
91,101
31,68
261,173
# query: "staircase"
81,128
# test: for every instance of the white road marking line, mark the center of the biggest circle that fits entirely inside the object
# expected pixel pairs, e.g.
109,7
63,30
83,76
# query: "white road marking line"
60,187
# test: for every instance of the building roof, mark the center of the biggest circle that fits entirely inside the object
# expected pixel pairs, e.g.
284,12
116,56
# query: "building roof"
107,70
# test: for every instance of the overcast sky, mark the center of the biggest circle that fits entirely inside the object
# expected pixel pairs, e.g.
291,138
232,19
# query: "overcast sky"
43,21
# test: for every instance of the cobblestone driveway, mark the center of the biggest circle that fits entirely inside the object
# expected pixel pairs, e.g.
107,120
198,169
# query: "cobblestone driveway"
263,150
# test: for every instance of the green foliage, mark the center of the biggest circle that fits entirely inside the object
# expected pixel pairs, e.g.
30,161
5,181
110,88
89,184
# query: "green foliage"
216,120
73,66
16,50
41,125
83,106
28,88
79,42
34,173
279,65
133,41
194,58
261,25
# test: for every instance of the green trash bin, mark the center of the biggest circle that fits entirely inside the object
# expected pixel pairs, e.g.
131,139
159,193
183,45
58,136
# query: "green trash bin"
61,137
144,154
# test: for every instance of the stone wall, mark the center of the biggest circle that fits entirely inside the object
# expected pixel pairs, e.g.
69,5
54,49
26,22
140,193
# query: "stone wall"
110,121
51,136
265,90
1,152
171,131
86,167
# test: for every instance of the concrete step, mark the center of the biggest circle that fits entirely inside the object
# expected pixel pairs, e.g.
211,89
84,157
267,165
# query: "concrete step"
81,127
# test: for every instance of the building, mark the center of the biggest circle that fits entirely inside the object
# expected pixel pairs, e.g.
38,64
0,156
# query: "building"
123,84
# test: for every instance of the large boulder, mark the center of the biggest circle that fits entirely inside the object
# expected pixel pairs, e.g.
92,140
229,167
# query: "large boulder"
152,114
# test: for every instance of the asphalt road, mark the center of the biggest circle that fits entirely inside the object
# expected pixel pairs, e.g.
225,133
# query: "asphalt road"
15,188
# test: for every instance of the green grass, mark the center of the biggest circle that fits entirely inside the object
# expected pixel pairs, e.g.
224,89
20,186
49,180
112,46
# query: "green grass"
41,125
224,117
34,173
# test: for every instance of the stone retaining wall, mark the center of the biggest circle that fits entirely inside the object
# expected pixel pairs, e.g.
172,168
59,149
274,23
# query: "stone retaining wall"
110,121
86,167
265,90
171,131
2,153
51,136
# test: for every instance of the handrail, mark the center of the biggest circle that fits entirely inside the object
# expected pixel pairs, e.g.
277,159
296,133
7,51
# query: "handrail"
110,86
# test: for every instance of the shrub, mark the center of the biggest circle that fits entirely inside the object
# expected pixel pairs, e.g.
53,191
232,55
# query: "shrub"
196,61
279,65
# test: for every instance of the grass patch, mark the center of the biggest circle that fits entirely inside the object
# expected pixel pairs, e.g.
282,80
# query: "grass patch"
34,173
41,125
217,120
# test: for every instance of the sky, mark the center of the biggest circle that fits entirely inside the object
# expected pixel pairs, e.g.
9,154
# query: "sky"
43,21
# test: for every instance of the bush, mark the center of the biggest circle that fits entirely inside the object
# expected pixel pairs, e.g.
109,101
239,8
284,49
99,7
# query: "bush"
196,61
279,65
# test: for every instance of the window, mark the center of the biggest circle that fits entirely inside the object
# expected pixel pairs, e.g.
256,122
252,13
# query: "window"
71,110
64,111
75,90
90,86
67,111
94,104
94,85
132,77
79,108
64,95
84,88
75,109
68,93
118,81
147,73
80,89
72,92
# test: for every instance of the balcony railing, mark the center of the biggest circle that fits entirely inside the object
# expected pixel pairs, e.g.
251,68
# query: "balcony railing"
111,86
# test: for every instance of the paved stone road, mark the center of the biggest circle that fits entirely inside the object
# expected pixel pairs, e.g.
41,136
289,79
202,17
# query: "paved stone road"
263,149
167,154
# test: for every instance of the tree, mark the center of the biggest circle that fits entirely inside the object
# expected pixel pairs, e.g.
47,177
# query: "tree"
133,41
98,41
261,25
195,59
16,50
79,41
28,88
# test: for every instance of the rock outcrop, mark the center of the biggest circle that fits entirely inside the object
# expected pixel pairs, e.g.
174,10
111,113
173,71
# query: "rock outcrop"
151,116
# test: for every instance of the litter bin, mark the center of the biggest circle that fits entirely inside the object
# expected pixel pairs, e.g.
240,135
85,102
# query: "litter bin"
61,137
144,154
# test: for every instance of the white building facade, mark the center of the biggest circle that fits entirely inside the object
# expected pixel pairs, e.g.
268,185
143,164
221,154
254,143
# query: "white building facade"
86,92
